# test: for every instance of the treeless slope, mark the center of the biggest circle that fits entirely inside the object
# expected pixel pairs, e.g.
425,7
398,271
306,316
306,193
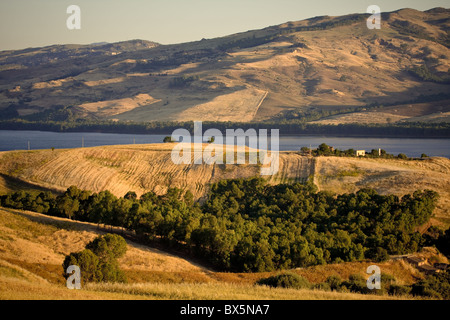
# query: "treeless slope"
113,107
241,105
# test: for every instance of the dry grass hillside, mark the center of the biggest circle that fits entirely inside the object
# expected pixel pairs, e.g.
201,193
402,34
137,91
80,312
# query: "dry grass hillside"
33,247
322,63
139,168
143,168
413,112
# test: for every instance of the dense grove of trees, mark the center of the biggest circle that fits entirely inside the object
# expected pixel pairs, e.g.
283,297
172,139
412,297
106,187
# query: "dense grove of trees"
440,239
248,225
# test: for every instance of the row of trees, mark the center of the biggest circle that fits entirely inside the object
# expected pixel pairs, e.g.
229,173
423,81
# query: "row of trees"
326,150
248,225
435,286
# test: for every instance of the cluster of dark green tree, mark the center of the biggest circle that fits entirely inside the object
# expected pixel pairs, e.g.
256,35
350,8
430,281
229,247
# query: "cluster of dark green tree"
438,238
98,261
248,42
278,34
355,283
326,150
183,81
311,114
248,225
434,286
175,58
411,29
424,73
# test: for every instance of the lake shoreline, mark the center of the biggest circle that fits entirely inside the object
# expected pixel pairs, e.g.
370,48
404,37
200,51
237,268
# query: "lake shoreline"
280,134
43,140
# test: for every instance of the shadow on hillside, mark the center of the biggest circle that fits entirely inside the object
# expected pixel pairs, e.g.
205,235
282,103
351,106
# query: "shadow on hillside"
423,92
131,238
16,184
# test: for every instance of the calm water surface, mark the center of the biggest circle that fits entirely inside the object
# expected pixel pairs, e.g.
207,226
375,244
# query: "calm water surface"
19,140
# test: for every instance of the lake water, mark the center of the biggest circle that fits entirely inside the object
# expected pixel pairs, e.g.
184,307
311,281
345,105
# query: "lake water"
19,140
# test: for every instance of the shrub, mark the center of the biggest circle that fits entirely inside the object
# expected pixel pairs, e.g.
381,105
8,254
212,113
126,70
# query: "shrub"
434,286
388,279
108,246
111,272
334,282
323,286
88,263
399,290
357,283
184,81
168,139
285,280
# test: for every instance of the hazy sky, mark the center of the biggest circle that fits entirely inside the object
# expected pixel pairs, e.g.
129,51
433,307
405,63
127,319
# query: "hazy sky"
33,23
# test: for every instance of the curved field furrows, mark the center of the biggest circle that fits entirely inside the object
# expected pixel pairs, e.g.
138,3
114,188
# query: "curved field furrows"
293,168
144,168
86,173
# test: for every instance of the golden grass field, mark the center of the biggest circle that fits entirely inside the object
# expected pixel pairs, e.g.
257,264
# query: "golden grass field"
33,246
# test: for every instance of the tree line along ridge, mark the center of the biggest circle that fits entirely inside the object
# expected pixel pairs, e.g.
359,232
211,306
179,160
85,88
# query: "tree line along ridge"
247,225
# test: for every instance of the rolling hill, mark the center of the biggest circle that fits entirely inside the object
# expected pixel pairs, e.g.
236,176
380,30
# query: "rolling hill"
33,247
143,168
279,72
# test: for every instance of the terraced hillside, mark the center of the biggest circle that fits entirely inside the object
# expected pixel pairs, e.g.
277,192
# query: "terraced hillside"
143,168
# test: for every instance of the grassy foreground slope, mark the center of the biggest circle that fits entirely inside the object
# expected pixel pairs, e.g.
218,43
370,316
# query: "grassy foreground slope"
143,168
33,246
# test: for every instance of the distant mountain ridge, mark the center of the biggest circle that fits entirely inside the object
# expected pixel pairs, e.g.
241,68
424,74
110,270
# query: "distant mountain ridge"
325,66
